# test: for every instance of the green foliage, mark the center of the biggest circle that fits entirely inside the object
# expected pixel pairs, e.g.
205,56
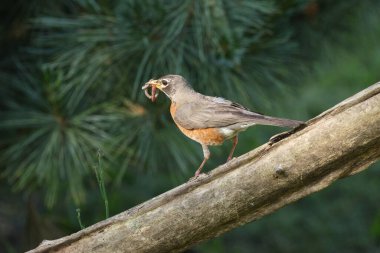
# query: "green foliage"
52,142
71,76
127,44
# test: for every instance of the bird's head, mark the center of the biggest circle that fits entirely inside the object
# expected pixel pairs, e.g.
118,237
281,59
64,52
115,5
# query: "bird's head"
171,85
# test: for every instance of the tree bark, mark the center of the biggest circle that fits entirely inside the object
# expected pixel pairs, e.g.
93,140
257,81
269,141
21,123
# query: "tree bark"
340,142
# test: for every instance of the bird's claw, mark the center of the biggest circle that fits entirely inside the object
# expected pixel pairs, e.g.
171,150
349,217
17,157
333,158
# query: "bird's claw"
199,176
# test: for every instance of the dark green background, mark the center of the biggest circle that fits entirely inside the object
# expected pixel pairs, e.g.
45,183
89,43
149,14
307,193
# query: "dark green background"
71,74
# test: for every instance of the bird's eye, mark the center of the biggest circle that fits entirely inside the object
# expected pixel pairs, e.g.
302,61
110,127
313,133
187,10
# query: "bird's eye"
164,82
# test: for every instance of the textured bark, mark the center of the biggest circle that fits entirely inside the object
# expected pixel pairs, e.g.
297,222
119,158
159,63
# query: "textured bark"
340,142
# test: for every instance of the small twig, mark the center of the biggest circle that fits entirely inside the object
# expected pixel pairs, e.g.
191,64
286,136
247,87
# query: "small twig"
79,219
100,179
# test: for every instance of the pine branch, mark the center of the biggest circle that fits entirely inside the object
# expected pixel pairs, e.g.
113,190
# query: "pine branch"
340,142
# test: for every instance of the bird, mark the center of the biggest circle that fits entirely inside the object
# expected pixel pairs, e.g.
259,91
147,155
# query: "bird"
208,120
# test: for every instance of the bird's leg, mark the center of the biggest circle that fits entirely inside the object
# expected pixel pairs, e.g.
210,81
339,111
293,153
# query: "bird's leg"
206,155
235,142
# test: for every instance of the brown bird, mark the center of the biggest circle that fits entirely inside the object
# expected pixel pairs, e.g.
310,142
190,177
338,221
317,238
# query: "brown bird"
208,120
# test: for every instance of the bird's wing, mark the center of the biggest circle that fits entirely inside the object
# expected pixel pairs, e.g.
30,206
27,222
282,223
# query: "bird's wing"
219,112
212,112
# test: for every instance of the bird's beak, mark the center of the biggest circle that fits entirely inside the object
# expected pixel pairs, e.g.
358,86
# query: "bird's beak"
154,84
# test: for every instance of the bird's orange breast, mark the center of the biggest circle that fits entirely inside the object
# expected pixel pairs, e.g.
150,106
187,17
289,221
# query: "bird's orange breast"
207,136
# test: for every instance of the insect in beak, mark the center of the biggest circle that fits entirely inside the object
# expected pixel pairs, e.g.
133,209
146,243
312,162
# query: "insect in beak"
154,93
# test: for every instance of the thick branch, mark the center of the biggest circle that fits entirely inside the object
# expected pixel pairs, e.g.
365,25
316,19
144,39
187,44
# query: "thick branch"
340,142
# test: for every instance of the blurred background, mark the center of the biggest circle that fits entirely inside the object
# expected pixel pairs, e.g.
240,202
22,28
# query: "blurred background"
71,105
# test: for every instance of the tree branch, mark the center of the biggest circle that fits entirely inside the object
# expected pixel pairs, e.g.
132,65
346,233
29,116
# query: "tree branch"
340,142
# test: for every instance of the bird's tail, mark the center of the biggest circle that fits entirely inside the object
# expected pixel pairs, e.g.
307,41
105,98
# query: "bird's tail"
273,121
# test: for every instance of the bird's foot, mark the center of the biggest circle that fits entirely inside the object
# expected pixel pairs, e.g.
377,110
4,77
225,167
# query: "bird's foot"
230,158
198,176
